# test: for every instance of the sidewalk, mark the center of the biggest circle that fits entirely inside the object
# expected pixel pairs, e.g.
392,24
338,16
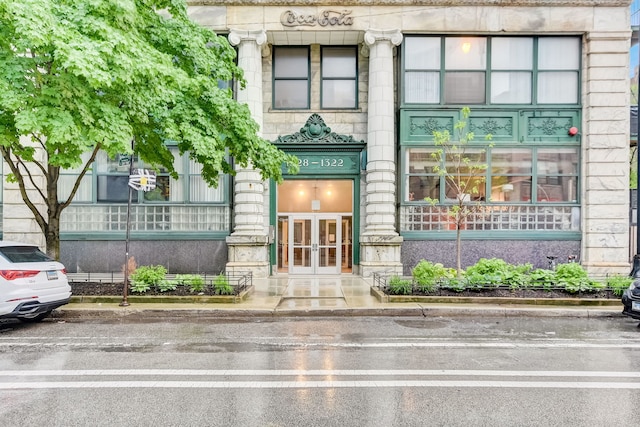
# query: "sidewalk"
296,296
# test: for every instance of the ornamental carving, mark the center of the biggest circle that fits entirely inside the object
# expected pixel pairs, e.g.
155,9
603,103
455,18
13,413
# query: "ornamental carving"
316,131
491,126
426,126
548,126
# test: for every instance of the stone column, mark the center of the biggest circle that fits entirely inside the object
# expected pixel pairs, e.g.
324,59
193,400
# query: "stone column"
248,244
605,152
380,241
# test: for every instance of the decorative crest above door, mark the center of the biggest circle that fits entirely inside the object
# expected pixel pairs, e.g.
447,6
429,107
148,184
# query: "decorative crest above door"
315,131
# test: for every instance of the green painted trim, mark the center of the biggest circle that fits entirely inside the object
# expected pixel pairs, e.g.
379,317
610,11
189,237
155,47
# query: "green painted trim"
493,235
273,213
161,235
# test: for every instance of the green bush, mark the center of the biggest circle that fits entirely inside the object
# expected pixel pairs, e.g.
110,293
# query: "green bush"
618,283
495,272
427,275
399,286
542,278
573,278
195,282
456,285
147,276
221,285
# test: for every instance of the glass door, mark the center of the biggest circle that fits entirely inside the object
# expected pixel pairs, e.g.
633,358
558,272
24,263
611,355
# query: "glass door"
314,244
315,227
301,245
328,246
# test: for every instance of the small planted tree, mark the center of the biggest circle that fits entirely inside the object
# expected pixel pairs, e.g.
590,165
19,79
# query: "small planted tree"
463,167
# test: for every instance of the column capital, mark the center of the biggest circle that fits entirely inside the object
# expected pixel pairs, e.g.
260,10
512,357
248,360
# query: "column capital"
371,36
238,36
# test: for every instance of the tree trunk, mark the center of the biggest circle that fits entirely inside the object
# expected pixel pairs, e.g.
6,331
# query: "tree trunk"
459,245
52,227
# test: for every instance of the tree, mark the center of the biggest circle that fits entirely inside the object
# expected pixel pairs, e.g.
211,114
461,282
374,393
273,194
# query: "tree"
81,76
463,166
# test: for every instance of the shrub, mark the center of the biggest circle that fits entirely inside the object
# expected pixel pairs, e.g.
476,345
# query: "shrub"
456,285
427,275
543,278
573,278
496,272
221,285
147,276
399,286
618,284
195,282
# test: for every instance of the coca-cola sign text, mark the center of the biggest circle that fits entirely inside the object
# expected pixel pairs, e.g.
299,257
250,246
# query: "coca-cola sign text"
325,18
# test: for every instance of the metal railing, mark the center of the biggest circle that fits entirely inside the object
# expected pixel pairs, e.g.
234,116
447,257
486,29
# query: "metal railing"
239,281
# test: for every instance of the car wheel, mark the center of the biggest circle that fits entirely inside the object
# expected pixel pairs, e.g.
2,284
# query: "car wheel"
36,318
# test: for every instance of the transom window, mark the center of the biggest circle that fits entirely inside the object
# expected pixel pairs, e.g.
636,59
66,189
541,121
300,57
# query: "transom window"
491,70
293,78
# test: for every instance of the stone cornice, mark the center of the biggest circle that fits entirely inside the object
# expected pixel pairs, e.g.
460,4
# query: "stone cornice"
399,3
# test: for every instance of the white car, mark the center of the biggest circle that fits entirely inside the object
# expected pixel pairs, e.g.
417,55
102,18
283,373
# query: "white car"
32,284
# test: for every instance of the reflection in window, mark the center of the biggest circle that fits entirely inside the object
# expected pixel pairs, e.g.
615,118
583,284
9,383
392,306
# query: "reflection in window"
509,178
491,70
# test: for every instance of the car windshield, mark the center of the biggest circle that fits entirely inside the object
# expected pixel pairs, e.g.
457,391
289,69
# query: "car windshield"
24,254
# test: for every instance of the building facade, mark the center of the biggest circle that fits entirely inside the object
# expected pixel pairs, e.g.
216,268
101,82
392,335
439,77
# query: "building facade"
356,90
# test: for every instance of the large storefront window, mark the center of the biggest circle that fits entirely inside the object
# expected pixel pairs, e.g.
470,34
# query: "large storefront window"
509,178
186,204
532,189
491,70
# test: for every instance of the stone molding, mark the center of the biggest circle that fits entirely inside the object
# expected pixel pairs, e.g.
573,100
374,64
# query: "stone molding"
372,36
238,36
435,3
258,36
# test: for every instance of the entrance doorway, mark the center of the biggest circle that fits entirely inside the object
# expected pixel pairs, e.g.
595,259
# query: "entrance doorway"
315,227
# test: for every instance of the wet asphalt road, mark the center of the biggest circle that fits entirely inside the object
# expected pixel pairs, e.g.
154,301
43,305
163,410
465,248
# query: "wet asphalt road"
362,371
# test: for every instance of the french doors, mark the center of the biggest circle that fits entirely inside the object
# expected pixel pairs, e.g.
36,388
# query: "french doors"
314,243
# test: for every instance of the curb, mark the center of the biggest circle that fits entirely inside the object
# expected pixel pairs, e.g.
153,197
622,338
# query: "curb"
444,310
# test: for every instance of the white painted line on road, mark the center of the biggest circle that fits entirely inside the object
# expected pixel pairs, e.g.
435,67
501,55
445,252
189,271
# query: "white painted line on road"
550,344
314,372
316,384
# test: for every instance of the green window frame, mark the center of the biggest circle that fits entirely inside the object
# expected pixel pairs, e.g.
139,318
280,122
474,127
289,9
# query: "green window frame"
531,175
491,70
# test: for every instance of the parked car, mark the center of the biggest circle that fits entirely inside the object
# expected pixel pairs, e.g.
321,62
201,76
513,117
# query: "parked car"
32,284
631,300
